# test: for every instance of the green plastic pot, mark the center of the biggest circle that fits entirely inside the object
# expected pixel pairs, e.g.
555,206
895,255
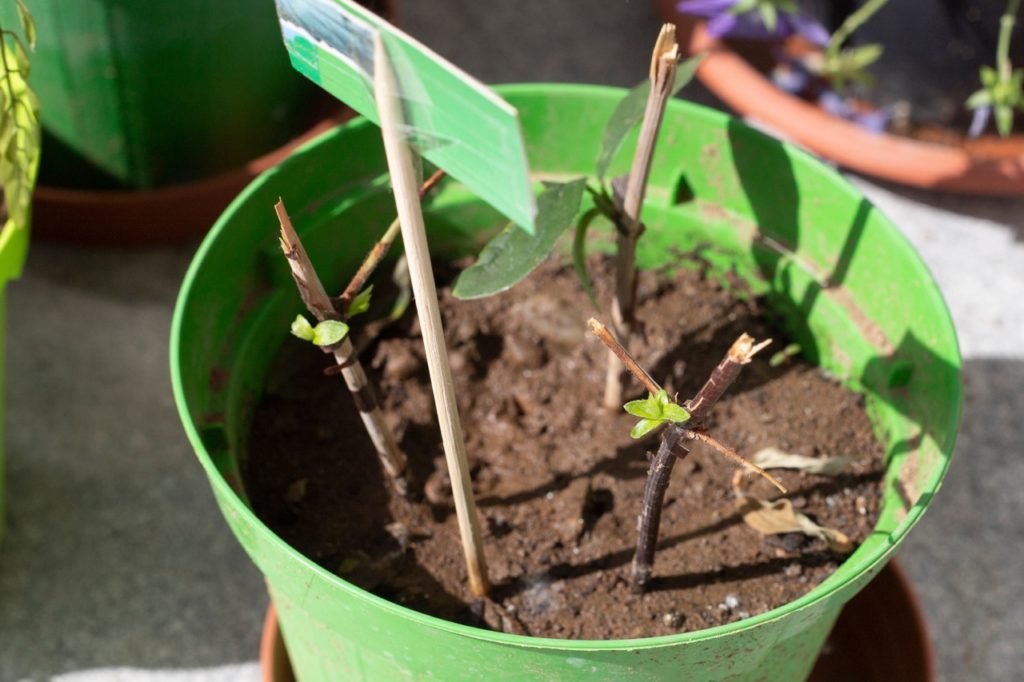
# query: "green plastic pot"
145,93
13,246
851,290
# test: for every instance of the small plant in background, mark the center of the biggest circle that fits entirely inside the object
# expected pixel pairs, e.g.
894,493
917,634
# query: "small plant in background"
1000,92
19,120
840,66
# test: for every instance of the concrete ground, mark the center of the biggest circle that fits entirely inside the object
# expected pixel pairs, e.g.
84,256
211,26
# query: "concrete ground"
116,564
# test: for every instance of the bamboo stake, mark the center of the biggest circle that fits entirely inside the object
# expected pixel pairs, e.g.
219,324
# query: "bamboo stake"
319,304
664,60
410,216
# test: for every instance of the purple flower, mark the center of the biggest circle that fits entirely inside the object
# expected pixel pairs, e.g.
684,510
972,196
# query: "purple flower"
980,120
750,24
874,120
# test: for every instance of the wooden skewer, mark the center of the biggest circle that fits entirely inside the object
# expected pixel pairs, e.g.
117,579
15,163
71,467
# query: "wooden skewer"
410,216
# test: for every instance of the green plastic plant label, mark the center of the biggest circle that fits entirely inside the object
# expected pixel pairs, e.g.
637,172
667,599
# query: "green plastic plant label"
454,121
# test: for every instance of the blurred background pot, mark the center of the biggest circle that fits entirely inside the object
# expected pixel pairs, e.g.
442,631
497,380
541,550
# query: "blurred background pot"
157,112
736,73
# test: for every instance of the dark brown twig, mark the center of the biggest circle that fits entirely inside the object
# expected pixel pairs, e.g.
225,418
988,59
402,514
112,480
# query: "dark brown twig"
377,253
740,353
670,449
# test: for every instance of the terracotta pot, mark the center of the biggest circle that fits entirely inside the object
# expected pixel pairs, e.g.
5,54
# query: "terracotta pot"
166,215
880,636
990,169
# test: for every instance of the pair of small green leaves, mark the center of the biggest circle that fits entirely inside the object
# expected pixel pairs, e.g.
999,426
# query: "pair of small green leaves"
654,410
330,332
326,333
1002,94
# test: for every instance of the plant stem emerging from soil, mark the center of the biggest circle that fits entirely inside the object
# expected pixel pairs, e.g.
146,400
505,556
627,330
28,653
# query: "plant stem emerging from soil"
378,252
663,75
671,448
414,236
319,304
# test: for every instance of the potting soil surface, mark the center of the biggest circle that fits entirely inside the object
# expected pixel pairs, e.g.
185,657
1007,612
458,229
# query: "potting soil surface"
558,479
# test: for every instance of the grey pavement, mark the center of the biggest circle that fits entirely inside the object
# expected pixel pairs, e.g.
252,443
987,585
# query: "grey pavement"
116,564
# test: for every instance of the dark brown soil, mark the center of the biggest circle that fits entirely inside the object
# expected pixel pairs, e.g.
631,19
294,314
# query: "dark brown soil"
559,481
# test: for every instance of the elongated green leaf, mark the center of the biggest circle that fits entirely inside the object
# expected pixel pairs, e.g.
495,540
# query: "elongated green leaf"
329,332
302,328
643,427
579,254
630,111
646,408
513,254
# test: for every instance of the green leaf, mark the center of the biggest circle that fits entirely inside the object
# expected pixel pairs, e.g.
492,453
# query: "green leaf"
329,332
630,111
981,98
662,399
27,23
676,413
643,427
302,329
769,15
645,408
989,76
513,253
864,56
1004,120
579,254
361,303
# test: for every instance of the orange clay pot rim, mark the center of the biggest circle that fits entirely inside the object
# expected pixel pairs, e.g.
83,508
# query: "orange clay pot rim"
922,164
170,193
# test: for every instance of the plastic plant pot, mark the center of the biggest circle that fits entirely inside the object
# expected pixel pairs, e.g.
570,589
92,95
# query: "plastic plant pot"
851,290
13,247
880,636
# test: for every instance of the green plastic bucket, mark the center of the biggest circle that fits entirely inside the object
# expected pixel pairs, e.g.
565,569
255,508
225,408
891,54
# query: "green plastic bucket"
13,246
853,292
143,93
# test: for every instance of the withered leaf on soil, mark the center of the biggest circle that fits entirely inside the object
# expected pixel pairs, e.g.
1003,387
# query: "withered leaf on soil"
774,458
779,516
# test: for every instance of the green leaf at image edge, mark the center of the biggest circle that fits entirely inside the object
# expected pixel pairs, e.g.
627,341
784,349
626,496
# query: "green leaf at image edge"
514,253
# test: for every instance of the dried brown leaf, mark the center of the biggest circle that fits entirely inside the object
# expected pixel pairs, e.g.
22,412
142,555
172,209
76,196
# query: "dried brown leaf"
774,458
776,517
